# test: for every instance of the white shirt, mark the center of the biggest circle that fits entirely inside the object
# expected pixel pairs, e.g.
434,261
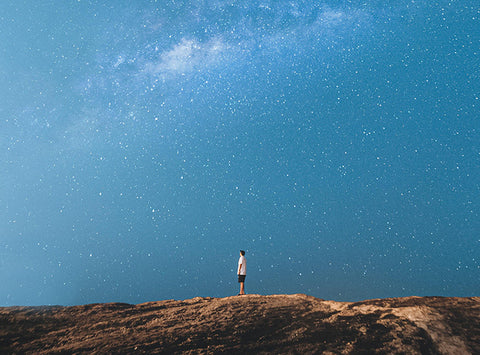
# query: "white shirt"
243,269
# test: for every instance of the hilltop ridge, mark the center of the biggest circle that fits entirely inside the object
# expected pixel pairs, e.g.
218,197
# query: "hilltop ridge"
252,323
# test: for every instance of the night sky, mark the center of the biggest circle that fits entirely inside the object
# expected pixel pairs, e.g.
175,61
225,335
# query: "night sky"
143,143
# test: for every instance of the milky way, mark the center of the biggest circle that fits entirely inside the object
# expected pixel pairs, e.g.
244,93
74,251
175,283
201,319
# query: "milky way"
142,144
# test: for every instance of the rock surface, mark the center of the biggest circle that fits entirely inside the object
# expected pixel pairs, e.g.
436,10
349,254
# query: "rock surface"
276,324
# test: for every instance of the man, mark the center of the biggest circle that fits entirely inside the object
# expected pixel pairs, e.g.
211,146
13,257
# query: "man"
242,271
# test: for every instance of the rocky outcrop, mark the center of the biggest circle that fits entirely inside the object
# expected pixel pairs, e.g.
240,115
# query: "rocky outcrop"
274,324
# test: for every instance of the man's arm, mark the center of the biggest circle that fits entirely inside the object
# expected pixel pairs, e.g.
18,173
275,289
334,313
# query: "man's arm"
239,268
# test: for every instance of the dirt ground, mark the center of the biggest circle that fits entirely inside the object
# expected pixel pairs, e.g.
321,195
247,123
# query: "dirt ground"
276,324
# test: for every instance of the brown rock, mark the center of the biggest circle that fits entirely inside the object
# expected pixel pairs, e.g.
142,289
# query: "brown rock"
296,324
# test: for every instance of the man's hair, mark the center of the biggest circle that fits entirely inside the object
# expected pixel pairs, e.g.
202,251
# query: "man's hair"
242,252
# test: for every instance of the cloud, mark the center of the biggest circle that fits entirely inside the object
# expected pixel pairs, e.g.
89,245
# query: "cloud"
250,36
332,17
187,56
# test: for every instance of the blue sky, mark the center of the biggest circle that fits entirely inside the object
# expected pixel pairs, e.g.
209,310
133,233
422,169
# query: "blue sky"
143,144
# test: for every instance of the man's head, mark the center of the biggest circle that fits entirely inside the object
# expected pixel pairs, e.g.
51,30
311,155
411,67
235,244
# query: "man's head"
242,252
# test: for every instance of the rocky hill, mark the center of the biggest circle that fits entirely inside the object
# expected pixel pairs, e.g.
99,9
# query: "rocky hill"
277,324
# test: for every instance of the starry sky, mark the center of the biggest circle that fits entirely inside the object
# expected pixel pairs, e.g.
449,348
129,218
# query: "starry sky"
143,143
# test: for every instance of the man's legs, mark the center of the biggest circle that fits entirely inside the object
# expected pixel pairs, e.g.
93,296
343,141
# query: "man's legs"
242,288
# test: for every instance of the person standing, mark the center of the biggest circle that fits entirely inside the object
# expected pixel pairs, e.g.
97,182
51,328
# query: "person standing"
242,271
